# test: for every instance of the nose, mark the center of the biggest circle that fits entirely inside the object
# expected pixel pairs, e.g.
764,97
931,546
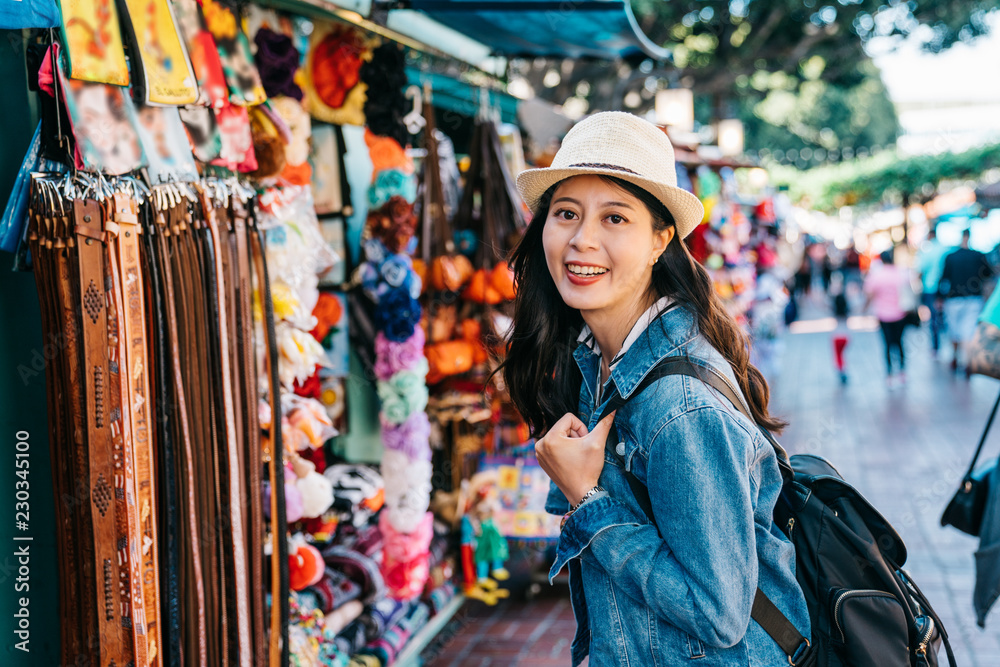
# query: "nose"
586,235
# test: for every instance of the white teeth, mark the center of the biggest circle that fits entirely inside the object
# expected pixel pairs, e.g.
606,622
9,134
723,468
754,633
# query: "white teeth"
585,270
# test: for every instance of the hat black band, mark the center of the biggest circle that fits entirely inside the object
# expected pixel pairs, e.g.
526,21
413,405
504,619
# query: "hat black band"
599,165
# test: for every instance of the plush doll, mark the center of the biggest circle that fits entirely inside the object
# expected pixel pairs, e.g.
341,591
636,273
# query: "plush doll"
483,549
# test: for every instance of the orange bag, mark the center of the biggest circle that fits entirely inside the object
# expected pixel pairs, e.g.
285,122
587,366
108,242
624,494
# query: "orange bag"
420,268
502,280
480,290
305,567
442,323
449,272
480,354
470,330
449,358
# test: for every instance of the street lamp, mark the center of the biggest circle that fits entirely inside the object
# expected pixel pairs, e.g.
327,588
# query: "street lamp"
731,136
675,107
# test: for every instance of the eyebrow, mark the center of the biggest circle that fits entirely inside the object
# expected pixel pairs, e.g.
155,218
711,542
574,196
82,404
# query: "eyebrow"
607,203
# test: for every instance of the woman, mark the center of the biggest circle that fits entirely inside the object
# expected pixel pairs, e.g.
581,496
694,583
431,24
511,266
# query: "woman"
602,269
885,290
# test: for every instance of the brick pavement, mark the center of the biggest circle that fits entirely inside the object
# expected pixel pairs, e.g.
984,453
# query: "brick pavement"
904,448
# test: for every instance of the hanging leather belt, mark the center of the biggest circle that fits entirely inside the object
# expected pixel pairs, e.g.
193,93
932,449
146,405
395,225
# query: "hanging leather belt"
119,391
136,364
163,421
53,253
247,382
234,492
104,423
193,631
278,654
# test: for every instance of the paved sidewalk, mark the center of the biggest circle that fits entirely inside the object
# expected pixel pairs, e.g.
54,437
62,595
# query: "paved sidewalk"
515,633
904,448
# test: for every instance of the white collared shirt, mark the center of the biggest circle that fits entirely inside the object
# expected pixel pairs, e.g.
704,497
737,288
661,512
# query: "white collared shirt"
586,336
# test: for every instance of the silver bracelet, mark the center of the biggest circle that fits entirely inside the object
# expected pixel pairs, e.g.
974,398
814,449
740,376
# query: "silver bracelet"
587,496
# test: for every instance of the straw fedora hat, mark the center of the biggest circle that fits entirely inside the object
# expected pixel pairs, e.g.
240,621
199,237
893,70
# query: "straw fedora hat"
615,143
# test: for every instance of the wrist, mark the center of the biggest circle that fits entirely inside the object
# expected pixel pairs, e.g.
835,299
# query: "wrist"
593,491
585,496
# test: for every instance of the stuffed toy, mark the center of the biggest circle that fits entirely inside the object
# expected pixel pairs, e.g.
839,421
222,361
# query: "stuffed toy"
483,549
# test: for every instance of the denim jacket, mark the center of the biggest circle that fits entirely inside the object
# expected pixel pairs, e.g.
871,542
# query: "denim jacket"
677,592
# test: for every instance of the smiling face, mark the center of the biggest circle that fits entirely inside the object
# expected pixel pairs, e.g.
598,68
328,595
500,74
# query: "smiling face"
600,247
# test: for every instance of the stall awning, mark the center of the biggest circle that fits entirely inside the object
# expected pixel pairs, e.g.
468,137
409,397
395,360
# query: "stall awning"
601,29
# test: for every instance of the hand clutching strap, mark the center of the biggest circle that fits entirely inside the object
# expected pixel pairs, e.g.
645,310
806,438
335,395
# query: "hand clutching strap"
767,615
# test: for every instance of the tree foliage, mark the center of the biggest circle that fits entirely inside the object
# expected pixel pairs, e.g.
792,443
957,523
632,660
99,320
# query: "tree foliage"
760,59
916,176
813,121
885,178
715,42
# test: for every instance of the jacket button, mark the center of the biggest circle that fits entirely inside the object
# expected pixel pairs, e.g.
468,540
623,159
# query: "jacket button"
620,449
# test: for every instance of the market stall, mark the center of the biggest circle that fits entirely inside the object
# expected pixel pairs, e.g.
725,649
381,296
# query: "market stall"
277,311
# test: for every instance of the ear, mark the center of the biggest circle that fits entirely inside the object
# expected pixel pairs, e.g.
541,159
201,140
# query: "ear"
660,242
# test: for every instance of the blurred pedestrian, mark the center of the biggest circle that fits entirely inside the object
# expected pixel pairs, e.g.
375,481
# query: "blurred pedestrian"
883,287
851,267
930,263
803,276
766,316
841,311
826,269
963,277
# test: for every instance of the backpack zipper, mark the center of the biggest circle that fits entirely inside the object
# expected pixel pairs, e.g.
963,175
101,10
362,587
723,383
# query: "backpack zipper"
846,594
925,640
791,526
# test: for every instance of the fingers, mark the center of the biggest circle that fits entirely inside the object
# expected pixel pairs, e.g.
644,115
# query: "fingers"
569,426
604,426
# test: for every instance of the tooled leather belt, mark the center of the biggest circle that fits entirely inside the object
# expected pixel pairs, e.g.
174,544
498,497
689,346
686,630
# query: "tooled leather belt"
136,365
122,639
96,283
120,392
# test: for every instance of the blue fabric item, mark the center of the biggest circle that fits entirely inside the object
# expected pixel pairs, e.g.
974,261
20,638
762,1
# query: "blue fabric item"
930,263
358,167
603,29
683,587
398,315
29,14
15,215
987,588
389,183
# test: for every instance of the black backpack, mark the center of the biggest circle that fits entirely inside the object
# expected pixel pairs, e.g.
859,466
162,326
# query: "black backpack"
864,609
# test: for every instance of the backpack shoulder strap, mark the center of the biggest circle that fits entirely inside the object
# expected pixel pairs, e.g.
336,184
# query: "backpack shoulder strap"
713,378
767,615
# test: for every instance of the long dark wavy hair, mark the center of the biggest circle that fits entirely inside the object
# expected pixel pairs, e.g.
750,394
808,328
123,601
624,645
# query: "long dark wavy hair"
540,372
